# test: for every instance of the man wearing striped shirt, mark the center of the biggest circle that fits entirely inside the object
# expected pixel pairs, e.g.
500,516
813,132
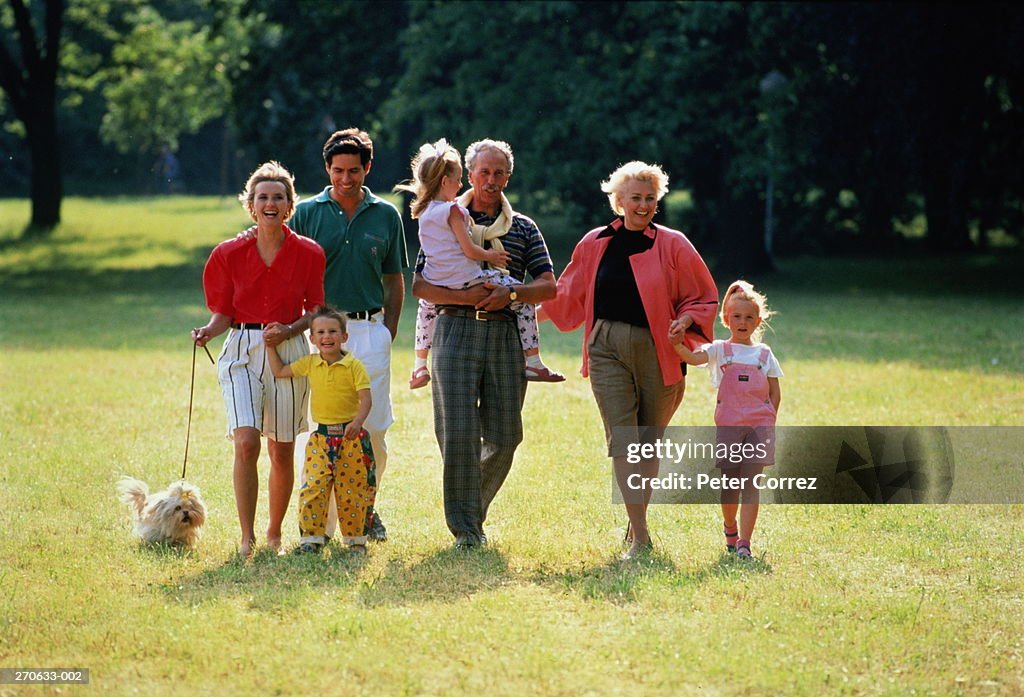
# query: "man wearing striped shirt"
478,367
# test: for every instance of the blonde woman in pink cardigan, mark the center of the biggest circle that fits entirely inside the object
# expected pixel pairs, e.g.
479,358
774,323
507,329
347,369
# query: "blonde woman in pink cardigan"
629,284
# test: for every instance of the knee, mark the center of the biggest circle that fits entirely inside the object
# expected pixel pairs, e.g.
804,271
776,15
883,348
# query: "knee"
247,444
506,441
281,455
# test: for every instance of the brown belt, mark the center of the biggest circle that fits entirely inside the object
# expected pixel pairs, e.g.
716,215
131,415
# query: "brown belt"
482,315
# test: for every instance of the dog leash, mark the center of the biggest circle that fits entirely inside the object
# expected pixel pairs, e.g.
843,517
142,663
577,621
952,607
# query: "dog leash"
191,394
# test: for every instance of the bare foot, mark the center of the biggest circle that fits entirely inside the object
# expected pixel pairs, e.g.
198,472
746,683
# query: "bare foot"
245,548
274,543
637,549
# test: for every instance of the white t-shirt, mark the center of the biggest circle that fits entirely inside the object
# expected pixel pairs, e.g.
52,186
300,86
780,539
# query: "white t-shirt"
741,353
445,263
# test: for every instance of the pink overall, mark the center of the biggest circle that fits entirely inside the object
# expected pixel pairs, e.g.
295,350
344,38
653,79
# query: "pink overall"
743,401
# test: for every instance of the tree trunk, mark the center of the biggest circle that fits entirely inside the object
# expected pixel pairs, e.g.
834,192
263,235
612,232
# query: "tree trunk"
31,88
47,187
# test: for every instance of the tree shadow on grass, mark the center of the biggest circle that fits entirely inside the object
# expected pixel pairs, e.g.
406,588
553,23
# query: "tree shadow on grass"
448,575
75,280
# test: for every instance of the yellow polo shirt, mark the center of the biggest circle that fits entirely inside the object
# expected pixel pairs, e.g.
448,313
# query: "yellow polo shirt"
335,387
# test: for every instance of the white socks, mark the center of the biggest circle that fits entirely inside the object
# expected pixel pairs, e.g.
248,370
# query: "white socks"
534,361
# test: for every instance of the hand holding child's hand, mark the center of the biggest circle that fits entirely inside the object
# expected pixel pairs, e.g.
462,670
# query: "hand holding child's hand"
677,329
497,257
353,429
275,333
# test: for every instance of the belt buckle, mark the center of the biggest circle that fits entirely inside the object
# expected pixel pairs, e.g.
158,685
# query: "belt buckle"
478,317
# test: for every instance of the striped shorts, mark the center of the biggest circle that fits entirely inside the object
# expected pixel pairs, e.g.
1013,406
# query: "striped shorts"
253,396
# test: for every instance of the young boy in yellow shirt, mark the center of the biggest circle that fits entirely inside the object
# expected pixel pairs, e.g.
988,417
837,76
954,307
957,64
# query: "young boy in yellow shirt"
339,457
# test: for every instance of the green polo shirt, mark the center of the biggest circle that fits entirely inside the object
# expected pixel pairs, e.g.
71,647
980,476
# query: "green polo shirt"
359,251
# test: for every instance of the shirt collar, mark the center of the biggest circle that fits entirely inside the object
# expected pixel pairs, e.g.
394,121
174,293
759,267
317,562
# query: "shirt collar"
619,224
345,360
369,198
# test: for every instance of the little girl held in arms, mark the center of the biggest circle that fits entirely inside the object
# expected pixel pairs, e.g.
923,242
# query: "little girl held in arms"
747,377
452,257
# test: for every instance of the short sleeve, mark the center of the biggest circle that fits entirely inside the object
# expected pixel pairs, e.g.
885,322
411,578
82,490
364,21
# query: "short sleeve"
715,353
773,369
301,366
360,377
538,260
217,284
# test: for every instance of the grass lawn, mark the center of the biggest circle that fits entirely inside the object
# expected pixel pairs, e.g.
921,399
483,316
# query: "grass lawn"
848,600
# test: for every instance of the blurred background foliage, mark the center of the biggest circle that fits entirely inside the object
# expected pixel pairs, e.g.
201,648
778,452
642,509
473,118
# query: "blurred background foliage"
828,128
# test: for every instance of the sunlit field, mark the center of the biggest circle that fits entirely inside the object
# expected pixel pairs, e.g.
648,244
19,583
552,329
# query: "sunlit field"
848,600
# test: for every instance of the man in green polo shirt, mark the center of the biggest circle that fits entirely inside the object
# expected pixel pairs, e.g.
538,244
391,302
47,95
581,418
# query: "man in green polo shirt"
364,242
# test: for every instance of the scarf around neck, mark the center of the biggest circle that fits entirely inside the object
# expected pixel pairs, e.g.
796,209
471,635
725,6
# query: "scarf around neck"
500,227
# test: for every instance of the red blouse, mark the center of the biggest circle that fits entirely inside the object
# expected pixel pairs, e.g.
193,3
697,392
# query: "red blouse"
238,284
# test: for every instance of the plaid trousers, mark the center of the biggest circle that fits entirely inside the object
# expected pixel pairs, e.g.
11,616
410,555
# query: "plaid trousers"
478,392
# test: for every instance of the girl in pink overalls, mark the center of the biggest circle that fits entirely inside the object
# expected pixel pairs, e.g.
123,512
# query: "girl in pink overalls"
747,377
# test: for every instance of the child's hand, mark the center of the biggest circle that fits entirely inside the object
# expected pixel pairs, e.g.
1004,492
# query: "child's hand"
496,257
677,328
247,234
353,429
275,333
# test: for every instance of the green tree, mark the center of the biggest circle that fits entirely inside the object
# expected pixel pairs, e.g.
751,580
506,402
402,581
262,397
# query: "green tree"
309,68
165,78
160,67
579,88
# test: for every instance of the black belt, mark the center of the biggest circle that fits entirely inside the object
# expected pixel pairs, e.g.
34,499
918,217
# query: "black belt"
248,325
363,314
482,315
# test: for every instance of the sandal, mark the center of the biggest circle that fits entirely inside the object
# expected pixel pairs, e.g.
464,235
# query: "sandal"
743,549
730,537
544,374
420,378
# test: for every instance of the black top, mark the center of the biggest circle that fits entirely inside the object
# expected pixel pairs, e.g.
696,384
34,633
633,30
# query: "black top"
616,296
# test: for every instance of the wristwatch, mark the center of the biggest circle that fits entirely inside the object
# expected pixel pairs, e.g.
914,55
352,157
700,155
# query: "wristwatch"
512,295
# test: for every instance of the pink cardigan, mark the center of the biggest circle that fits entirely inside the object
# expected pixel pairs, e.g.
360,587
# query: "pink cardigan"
672,280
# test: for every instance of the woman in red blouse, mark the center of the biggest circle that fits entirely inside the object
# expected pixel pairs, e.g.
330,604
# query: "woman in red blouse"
259,286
